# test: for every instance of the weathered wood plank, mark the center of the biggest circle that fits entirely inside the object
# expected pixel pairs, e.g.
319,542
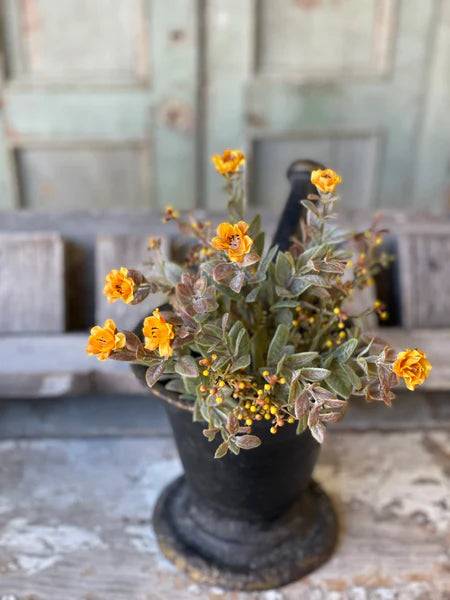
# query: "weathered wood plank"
113,252
32,283
72,524
424,259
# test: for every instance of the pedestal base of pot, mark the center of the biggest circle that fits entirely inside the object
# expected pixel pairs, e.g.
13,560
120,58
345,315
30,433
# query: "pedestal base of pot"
243,555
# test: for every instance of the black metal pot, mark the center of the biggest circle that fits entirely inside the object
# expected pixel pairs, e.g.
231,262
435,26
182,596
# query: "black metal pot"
247,522
253,521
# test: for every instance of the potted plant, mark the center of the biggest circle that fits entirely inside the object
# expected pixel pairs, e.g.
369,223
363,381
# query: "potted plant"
255,352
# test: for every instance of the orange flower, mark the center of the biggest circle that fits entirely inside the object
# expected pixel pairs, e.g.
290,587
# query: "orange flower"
229,162
234,239
158,334
413,366
325,180
119,285
103,340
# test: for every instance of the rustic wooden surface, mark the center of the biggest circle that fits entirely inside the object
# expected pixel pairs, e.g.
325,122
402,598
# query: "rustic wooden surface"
423,269
75,520
32,283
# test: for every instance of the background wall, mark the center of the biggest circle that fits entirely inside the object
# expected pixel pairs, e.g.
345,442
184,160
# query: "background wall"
120,103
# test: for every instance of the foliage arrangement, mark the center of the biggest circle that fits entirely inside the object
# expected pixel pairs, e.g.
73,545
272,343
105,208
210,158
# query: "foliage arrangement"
256,334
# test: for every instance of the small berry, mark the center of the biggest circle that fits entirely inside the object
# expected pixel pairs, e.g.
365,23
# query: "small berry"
206,372
273,430
248,421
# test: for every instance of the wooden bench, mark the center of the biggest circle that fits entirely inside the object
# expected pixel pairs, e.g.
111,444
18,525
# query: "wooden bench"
52,268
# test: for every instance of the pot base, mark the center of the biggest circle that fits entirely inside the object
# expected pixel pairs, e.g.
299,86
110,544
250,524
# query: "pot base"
242,555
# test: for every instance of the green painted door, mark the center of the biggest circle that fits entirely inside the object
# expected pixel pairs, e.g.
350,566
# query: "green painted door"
120,103
99,104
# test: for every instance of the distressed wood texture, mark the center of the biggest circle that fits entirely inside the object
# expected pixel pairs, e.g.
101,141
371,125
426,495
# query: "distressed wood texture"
113,252
32,283
82,524
424,258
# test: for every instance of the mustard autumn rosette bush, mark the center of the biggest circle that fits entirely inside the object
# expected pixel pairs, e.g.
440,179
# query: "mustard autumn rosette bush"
254,334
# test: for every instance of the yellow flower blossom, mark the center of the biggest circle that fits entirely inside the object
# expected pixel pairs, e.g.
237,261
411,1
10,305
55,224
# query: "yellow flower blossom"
234,239
104,340
325,180
229,162
158,334
413,366
119,286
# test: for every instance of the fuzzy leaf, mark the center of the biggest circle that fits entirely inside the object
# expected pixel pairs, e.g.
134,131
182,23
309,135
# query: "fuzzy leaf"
318,432
200,286
222,270
232,423
175,385
301,359
186,366
314,373
283,270
338,381
154,373
276,347
240,363
237,282
345,350
302,405
250,259
247,442
221,450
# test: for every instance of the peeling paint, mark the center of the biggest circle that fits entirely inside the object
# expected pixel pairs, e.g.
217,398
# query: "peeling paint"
37,547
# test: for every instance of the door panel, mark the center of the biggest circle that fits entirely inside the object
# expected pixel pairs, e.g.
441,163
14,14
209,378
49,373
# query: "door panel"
106,93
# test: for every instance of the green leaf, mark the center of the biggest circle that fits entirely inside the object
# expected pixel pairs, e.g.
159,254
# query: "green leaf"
252,295
356,381
265,262
258,243
221,450
284,270
241,363
314,373
302,424
186,366
258,346
175,385
190,385
345,350
301,359
276,347
311,206
338,381
316,280
254,227
284,304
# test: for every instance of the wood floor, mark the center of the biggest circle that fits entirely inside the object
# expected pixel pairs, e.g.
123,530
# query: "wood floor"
75,518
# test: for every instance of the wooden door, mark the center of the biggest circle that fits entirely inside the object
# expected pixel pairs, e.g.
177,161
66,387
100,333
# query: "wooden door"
99,104
363,87
119,104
